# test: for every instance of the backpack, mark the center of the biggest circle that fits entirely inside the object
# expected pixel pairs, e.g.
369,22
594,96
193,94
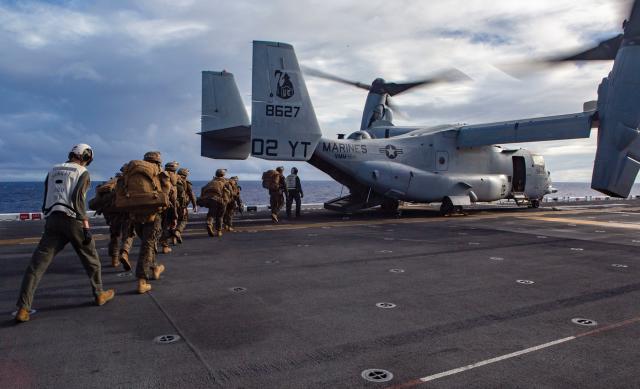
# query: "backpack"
141,190
105,197
271,180
214,191
183,198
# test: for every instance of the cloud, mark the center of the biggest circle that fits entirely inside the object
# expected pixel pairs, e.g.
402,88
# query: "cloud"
125,76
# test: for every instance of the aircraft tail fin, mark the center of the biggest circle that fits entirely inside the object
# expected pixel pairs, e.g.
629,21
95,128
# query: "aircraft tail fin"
618,155
284,124
226,131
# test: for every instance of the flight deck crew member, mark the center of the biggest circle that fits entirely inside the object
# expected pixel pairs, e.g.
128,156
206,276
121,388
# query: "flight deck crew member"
65,193
294,191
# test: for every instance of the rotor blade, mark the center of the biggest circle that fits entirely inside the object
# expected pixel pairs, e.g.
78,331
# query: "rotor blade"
396,109
320,74
605,50
451,75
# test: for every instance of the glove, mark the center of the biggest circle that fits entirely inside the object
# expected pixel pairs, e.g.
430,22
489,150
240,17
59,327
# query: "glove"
195,209
87,236
301,195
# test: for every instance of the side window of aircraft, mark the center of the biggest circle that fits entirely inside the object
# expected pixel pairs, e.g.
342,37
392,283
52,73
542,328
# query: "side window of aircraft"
442,160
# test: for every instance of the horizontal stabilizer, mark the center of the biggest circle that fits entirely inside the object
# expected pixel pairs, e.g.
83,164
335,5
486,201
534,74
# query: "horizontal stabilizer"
570,126
226,130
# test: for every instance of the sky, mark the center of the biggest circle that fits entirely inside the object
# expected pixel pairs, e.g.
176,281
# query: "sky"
125,76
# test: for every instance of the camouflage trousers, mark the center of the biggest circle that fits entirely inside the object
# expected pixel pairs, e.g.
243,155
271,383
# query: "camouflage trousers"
59,230
215,214
148,233
229,211
128,233
166,231
183,219
120,234
276,200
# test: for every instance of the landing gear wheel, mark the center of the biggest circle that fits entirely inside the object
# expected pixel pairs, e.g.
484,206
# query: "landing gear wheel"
390,206
535,203
446,208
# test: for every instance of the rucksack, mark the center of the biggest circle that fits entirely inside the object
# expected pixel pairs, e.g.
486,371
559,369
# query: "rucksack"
214,191
183,199
271,180
141,190
105,197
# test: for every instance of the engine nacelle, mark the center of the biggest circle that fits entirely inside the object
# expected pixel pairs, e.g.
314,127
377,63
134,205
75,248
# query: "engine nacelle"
618,155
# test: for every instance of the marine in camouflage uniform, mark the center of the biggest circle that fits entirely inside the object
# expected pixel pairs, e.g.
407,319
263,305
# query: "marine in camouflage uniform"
148,227
169,220
213,197
114,220
128,234
185,197
234,203
276,197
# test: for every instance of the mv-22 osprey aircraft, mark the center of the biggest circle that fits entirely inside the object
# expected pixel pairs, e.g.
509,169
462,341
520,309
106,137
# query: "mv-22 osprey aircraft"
454,165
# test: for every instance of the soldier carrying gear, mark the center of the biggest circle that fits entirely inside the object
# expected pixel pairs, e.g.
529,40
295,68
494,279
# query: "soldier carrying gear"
66,188
276,193
213,196
145,194
234,203
170,216
294,191
104,203
185,197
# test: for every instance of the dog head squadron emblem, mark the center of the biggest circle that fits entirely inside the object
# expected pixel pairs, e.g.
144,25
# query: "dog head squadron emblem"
284,86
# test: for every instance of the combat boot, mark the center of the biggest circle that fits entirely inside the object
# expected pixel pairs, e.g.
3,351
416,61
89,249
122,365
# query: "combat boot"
178,237
105,296
115,261
157,271
166,250
143,286
210,230
274,218
124,258
22,315
230,229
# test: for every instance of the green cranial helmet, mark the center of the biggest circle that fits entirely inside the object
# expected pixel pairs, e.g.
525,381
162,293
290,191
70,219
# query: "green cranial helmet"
221,172
183,171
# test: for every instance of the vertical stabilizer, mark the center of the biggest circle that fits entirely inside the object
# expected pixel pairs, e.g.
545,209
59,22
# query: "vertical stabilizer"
284,124
226,132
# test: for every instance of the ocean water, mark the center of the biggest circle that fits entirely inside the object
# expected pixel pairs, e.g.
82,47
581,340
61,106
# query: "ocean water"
27,196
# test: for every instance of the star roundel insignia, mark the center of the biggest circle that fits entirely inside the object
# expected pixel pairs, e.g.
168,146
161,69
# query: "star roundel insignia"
391,151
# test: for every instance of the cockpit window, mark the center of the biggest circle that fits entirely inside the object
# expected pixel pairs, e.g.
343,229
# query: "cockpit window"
538,160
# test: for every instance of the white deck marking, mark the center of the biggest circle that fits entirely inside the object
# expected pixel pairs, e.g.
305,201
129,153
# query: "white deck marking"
496,359
433,377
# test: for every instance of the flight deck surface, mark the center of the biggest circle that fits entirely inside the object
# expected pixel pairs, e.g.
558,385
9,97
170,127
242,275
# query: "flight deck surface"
477,301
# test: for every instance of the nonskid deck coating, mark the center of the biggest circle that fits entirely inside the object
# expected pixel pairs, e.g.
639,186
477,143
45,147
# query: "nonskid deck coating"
308,314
